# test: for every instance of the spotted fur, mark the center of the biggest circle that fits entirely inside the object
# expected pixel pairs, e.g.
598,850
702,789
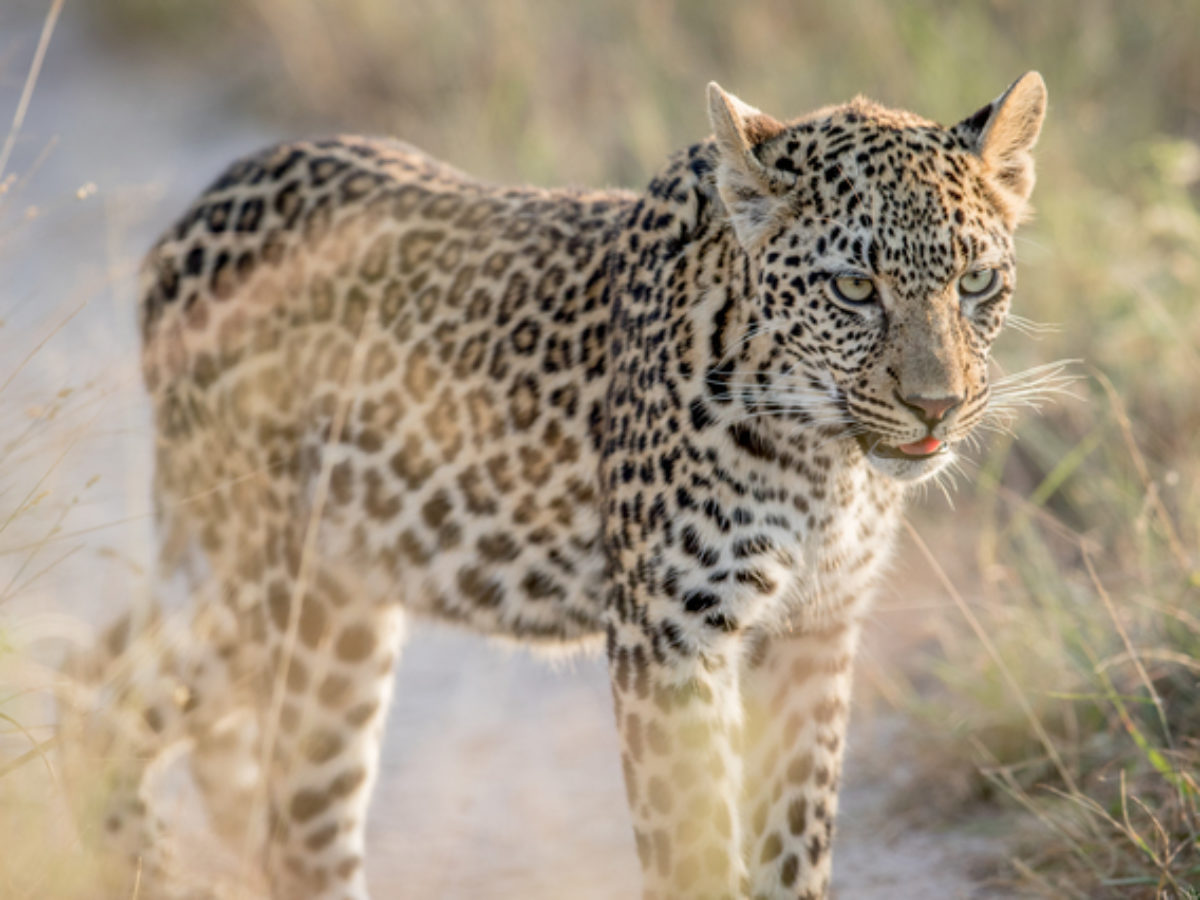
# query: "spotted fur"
383,389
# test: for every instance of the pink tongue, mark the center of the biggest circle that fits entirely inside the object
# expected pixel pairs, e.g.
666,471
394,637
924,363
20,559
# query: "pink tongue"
923,447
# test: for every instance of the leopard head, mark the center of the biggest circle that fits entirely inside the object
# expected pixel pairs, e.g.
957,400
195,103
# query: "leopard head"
881,246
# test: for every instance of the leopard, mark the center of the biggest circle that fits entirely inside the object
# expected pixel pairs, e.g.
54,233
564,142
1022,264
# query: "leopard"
679,425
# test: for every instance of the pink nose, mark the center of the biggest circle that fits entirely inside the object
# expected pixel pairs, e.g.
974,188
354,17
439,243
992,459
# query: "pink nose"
934,409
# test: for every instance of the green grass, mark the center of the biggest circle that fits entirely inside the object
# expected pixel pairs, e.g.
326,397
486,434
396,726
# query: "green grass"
1081,713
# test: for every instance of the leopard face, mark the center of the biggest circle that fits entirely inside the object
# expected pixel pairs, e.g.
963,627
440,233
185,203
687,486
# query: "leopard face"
883,252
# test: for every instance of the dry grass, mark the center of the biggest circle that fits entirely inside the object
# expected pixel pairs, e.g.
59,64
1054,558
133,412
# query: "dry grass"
1080,712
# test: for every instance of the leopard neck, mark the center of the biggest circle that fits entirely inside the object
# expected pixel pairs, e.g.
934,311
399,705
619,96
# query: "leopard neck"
693,278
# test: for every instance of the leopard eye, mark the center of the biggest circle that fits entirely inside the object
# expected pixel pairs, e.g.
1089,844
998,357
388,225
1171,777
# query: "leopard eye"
977,283
854,289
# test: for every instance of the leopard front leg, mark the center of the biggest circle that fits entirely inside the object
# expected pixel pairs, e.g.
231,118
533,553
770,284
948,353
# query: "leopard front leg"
796,693
679,718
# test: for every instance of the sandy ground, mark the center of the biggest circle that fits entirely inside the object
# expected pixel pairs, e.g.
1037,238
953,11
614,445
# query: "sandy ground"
501,776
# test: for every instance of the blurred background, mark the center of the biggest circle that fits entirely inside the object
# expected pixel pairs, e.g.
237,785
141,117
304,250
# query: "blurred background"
1028,718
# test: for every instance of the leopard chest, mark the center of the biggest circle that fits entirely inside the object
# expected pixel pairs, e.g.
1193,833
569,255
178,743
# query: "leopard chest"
836,542
744,541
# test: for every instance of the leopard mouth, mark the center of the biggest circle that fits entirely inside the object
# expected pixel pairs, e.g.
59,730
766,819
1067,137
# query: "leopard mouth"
926,448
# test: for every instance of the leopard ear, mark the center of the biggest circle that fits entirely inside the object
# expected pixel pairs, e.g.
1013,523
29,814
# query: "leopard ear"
749,190
1003,133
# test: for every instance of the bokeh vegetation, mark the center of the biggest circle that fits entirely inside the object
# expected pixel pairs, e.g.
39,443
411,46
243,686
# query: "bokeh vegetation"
1080,711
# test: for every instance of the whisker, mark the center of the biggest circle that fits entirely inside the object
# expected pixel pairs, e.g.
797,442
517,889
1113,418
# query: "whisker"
1036,373
1031,327
972,442
940,479
997,427
777,398
831,439
756,373
754,330
1033,387
810,421
773,394
961,464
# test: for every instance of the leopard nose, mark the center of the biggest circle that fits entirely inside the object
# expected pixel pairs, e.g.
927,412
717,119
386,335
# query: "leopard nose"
931,409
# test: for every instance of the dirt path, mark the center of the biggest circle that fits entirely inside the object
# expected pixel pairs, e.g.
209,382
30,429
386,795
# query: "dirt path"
514,765
501,777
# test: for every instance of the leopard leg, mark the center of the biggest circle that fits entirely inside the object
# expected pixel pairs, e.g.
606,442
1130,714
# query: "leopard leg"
333,682
679,723
225,761
145,689
796,693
